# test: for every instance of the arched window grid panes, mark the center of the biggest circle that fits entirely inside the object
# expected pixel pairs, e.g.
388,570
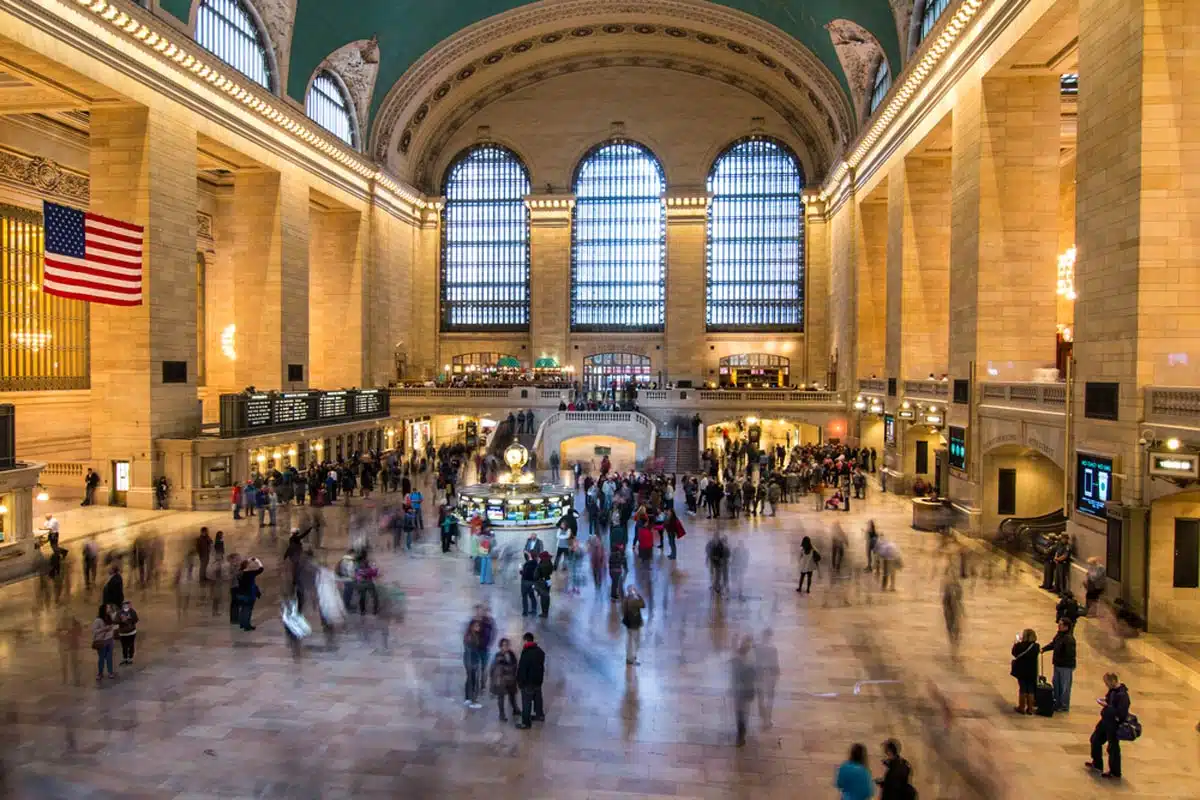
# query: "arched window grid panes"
227,29
485,243
619,240
930,15
756,239
605,375
328,105
881,85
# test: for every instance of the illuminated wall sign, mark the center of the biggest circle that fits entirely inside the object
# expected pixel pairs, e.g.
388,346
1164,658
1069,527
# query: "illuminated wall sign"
876,407
1175,465
889,430
242,414
1093,483
958,447
906,413
933,419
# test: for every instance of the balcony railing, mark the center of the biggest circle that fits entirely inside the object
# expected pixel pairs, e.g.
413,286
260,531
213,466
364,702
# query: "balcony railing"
1173,405
928,390
872,385
499,398
678,399
1050,397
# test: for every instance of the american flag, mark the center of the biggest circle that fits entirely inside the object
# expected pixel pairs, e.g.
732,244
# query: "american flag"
92,258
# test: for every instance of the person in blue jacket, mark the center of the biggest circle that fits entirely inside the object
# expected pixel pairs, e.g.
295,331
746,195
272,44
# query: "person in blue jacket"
853,778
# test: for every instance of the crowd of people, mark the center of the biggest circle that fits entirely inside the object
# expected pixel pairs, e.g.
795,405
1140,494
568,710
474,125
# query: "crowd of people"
626,517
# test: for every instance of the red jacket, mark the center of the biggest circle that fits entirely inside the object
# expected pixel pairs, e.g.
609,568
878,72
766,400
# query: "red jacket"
645,538
237,494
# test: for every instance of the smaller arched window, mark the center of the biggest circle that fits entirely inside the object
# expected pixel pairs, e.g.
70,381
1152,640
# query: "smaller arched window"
881,84
227,29
930,15
330,106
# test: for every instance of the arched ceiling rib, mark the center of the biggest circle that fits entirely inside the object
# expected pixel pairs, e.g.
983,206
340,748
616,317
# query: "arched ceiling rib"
408,29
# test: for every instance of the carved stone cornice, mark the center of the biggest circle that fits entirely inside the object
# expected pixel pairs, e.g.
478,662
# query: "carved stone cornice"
684,208
43,177
204,227
550,210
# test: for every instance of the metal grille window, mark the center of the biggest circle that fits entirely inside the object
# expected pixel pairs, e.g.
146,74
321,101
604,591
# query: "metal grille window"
226,29
485,242
619,240
43,338
756,239
607,374
931,13
329,106
881,85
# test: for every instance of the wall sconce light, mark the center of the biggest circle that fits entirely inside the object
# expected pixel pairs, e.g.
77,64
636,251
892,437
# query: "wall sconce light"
261,457
277,455
1173,444
229,342
860,404
3,509
42,494
291,452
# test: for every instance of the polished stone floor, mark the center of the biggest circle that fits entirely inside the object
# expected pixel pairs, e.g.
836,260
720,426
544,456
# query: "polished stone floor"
209,711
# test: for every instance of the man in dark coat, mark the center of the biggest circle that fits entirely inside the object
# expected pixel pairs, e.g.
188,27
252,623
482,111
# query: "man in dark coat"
1113,711
531,672
204,551
896,783
114,589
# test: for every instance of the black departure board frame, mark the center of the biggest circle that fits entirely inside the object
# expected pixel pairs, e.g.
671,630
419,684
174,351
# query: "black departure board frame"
270,412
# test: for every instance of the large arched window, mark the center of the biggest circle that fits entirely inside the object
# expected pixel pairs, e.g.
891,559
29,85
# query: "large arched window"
756,239
330,106
227,29
881,84
930,13
485,242
619,240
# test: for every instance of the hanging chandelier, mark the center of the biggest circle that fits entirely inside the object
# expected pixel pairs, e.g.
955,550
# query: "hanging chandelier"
1066,274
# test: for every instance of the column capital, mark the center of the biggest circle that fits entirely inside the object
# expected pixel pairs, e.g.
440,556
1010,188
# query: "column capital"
685,206
431,211
550,210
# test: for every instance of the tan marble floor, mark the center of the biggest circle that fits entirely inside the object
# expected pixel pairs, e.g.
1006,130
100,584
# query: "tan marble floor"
209,711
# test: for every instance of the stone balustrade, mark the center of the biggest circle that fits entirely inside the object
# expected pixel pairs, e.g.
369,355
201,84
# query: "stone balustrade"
1172,405
928,390
1050,397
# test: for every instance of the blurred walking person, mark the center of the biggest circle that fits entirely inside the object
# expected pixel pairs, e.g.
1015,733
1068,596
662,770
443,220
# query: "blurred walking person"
766,663
807,559
744,686
127,620
853,777
618,569
952,610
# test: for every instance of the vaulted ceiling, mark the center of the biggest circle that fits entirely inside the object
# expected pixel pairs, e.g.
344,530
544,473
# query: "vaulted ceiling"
407,29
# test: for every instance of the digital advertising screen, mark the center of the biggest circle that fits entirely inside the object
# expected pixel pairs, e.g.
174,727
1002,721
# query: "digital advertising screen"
1093,483
958,447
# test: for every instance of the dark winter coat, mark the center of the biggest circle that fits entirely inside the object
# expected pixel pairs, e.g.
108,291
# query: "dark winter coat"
531,668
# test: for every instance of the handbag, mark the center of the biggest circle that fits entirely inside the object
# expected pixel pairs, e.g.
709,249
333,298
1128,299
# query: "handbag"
294,621
1129,729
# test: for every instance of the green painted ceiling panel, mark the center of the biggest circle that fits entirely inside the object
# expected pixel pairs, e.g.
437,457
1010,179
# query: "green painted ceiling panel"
407,29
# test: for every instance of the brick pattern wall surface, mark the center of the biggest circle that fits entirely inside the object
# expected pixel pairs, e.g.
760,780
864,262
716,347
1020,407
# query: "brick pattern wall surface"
338,310
816,298
549,284
842,315
964,227
270,218
686,280
871,285
924,292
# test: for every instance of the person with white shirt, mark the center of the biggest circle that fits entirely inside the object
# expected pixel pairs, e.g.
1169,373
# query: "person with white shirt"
51,529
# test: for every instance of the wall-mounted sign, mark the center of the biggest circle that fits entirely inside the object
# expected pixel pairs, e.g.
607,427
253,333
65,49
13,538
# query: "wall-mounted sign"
907,413
243,414
1175,465
958,447
933,419
876,406
1093,483
889,430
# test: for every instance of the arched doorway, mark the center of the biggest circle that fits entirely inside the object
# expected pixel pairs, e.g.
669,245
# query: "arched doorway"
1019,481
607,375
590,452
754,370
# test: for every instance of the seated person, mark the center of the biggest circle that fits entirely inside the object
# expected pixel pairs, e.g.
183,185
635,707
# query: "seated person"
835,503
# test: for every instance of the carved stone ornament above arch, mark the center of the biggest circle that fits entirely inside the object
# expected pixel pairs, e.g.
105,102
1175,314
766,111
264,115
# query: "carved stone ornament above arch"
357,64
859,52
903,11
437,87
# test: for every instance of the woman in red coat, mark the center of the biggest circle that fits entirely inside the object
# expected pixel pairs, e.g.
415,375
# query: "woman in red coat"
674,529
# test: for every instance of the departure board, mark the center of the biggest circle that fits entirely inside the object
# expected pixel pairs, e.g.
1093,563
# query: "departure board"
263,412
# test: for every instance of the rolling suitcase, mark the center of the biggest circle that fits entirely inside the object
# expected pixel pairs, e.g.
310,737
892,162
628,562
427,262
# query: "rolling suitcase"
1043,696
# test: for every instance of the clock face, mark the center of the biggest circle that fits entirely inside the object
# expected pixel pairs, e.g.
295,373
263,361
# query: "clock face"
516,455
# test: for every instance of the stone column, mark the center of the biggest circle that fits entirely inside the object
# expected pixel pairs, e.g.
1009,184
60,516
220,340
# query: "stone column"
426,292
816,292
1004,223
1137,216
687,228
271,270
871,287
389,260
550,275
338,310
1004,176
924,291
143,170
842,293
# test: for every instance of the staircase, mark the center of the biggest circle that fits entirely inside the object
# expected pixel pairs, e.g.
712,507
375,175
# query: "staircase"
628,425
680,453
